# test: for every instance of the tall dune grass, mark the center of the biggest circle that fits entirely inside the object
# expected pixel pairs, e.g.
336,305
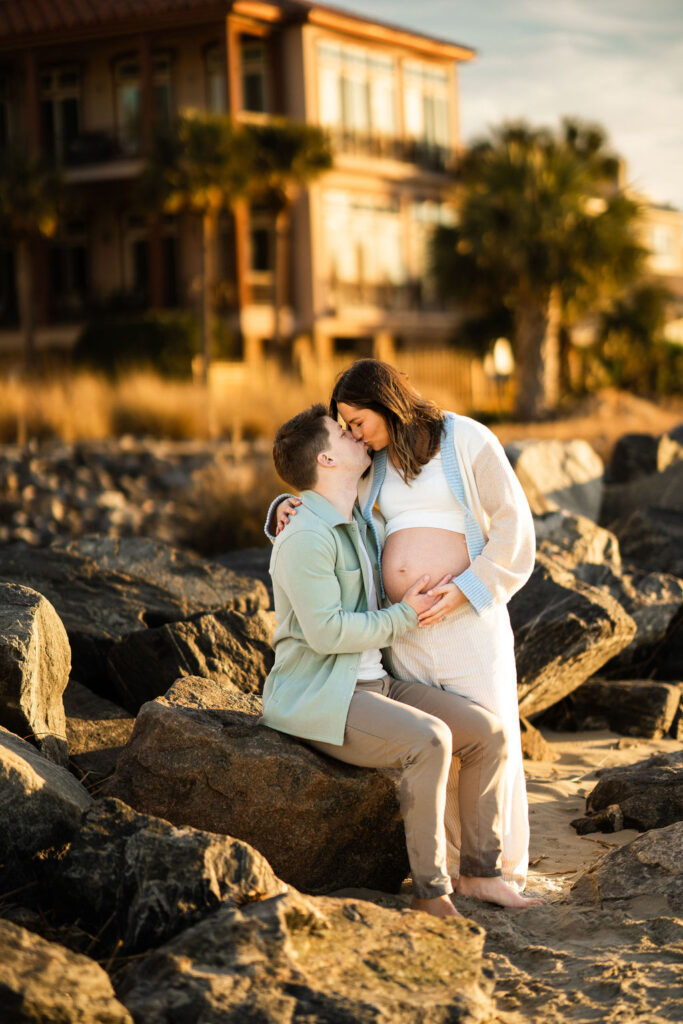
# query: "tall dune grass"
84,406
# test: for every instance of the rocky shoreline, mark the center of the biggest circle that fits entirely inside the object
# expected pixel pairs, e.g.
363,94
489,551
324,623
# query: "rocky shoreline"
163,858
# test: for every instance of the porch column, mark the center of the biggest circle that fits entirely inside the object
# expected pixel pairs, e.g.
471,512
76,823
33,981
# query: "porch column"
233,66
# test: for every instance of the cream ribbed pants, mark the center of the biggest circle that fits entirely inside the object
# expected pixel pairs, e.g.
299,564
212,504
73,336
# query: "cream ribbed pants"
473,655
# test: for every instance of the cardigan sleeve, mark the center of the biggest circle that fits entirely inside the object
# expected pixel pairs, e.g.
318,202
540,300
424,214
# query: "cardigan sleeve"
270,525
507,558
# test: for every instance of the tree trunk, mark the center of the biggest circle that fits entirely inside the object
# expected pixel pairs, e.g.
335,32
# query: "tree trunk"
280,261
537,357
209,240
209,236
26,300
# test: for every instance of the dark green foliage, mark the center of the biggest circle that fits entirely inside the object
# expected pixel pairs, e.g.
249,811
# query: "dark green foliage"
632,350
165,343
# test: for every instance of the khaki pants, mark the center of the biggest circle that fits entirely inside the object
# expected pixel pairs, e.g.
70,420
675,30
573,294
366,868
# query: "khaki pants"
419,729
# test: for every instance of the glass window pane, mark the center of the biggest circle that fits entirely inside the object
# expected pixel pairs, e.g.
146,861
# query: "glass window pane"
254,91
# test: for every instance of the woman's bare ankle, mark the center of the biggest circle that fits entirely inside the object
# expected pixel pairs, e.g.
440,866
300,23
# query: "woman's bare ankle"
438,906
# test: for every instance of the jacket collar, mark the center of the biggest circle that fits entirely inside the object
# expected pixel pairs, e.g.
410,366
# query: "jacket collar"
327,512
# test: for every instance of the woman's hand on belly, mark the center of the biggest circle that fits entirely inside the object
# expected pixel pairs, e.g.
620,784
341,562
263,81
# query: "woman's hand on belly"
448,599
411,553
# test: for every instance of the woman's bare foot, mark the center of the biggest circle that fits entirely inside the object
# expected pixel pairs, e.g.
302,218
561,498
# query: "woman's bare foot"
494,890
439,906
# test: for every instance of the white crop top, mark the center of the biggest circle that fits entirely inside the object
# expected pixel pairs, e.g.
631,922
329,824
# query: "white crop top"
425,501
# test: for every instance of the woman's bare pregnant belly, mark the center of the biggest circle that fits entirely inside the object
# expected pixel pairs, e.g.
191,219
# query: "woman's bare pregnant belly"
418,551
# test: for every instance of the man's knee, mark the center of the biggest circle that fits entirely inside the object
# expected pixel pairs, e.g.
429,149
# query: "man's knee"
433,738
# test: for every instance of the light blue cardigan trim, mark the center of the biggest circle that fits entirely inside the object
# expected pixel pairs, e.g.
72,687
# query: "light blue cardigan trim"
472,587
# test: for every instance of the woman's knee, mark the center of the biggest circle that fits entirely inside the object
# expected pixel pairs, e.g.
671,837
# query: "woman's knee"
492,731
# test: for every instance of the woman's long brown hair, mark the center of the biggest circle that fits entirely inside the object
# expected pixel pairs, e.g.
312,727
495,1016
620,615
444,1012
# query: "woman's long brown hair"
414,424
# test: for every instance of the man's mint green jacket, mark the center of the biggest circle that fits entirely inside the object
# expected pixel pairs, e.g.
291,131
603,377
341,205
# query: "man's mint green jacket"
320,586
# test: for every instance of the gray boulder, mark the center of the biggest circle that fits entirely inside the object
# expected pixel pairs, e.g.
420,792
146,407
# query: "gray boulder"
648,793
658,490
296,959
644,877
35,660
559,474
44,983
565,630
106,591
226,645
576,540
96,730
198,757
40,802
635,456
632,707
138,878
652,539
654,600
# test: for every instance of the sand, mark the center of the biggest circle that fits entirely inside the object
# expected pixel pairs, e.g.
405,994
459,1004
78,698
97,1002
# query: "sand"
568,961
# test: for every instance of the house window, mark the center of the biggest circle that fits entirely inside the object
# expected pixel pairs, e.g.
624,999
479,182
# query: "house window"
363,239
216,82
129,100
427,104
60,103
255,91
69,270
425,217
136,261
662,247
5,130
357,89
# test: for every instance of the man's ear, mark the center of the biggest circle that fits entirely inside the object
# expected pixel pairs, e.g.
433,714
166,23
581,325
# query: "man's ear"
325,459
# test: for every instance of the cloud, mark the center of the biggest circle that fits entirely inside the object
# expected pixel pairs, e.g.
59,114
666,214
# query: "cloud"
619,63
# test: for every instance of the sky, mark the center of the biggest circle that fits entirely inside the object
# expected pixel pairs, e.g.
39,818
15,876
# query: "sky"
617,63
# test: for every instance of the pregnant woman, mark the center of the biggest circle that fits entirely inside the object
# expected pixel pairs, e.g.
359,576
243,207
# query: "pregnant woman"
449,505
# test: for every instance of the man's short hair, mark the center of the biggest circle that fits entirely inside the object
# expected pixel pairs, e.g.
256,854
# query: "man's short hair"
297,445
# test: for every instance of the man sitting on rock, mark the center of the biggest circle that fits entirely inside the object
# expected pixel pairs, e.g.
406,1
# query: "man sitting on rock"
329,688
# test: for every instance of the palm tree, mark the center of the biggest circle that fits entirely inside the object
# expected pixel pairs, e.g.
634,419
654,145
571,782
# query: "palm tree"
544,228
30,197
287,155
202,165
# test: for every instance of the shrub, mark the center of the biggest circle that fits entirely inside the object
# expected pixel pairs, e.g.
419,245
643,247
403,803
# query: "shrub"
163,342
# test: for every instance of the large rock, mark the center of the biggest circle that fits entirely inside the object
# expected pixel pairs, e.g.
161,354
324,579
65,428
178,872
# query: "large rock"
640,455
559,474
252,562
565,630
645,876
654,600
652,539
648,793
631,707
96,730
659,490
138,878
40,802
337,960
226,645
197,757
576,540
106,591
35,660
44,983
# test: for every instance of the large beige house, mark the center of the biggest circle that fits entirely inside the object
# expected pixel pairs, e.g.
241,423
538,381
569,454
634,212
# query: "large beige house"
87,83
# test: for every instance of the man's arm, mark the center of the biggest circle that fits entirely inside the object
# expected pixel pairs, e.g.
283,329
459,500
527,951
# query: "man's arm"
305,569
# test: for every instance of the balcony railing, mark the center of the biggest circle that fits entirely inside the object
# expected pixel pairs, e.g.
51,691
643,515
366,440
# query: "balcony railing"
414,151
95,148
408,296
